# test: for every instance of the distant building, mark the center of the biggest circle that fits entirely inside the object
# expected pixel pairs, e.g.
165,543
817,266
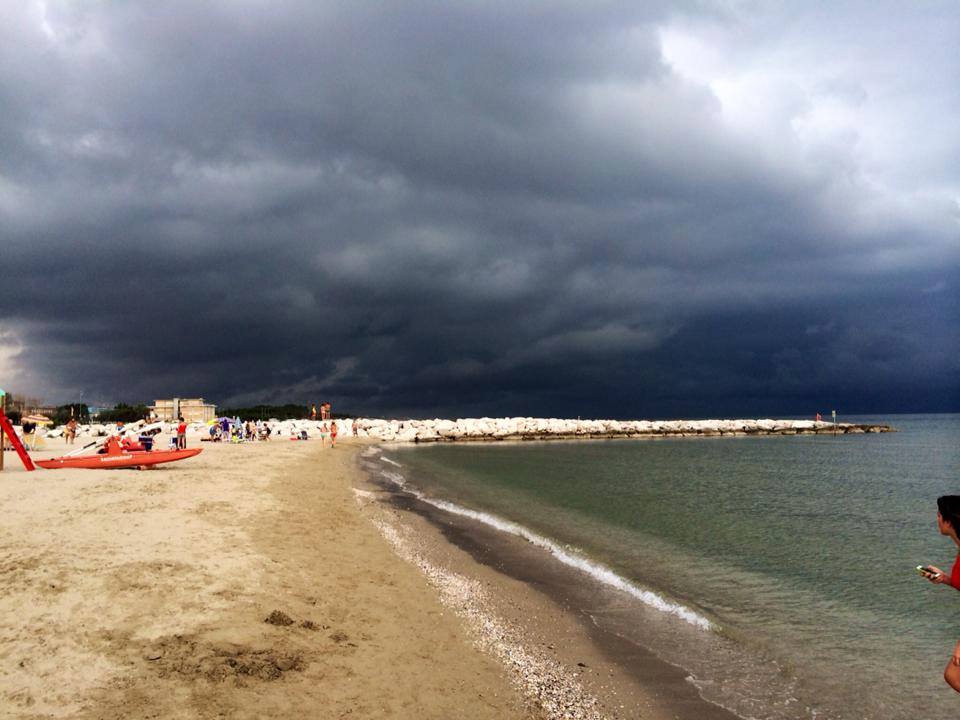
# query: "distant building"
190,409
21,404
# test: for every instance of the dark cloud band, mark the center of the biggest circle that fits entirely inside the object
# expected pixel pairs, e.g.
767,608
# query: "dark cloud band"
469,209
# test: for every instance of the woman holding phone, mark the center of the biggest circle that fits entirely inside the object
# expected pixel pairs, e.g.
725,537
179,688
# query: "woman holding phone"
948,522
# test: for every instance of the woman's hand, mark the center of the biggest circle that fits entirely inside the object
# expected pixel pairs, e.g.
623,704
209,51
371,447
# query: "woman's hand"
936,575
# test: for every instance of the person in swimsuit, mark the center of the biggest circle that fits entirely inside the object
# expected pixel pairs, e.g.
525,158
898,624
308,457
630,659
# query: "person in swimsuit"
333,434
70,433
948,523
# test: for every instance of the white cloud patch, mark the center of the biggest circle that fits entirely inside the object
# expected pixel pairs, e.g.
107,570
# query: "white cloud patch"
11,351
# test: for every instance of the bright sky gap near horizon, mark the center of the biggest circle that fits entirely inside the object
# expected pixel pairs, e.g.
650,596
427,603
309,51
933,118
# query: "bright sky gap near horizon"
610,209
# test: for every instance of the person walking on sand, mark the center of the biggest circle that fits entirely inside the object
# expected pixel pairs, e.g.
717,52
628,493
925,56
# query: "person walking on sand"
323,435
333,434
948,523
182,434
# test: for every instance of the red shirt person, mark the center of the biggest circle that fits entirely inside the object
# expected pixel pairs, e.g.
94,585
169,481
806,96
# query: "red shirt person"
948,523
182,435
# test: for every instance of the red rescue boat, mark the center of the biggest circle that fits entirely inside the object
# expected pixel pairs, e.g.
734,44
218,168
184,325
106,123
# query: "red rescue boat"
116,457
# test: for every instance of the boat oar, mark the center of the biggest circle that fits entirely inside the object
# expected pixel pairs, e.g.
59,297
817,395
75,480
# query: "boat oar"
92,444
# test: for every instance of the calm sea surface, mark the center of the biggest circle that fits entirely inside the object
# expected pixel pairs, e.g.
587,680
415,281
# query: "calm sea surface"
798,552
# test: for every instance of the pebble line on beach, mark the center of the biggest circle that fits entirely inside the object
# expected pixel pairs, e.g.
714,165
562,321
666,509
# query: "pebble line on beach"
545,682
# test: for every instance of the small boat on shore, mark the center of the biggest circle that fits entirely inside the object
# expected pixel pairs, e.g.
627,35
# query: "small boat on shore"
132,459
116,457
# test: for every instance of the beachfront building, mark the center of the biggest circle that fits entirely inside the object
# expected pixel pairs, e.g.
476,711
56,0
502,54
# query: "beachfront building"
190,409
23,405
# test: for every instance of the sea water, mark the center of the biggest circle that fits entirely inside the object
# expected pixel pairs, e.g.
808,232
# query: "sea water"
779,571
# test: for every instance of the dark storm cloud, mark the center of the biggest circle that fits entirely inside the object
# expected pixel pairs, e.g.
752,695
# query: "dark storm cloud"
477,208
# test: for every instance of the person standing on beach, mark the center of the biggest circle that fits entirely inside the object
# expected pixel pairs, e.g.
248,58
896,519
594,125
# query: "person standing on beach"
323,435
948,523
182,434
333,434
29,431
70,432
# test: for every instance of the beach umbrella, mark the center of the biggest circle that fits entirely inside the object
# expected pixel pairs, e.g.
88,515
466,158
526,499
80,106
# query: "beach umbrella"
38,420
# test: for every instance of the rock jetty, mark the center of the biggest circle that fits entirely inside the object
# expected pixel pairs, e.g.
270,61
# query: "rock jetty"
525,428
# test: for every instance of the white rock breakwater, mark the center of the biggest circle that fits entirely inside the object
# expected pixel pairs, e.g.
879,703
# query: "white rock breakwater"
520,428
525,428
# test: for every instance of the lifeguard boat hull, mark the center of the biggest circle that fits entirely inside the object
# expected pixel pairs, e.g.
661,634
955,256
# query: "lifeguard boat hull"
118,460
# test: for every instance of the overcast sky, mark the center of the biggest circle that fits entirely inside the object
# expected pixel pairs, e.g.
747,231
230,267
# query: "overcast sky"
461,208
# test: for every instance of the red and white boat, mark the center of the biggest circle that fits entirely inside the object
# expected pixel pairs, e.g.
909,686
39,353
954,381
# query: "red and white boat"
116,457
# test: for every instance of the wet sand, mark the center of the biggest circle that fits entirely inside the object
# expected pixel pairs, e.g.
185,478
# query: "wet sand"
555,609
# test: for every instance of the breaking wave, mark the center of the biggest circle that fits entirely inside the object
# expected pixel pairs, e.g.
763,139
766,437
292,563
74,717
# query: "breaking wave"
596,570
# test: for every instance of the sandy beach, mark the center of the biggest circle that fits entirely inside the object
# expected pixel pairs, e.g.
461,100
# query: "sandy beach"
273,579
145,594
636,324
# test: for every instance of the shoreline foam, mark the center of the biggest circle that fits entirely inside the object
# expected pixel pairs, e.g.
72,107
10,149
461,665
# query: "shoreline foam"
548,685
596,570
626,676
